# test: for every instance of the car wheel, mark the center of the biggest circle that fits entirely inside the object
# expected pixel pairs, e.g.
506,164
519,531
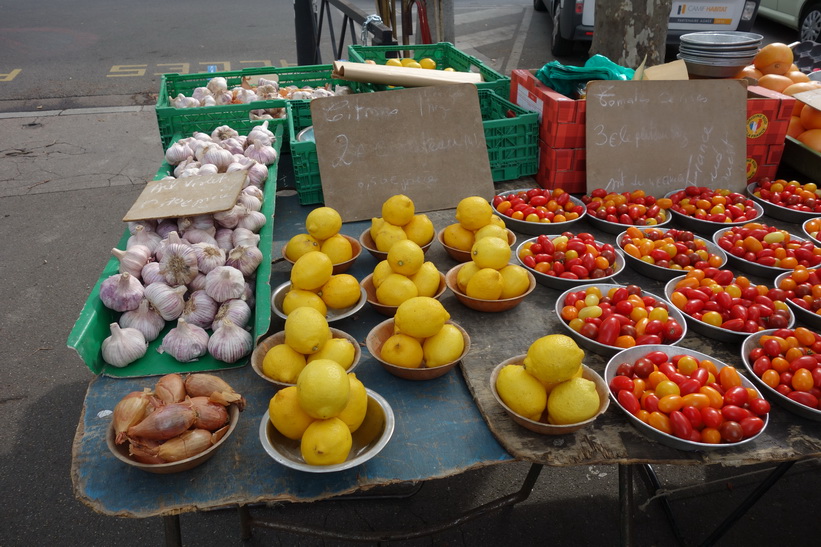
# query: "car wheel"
538,5
810,26
559,46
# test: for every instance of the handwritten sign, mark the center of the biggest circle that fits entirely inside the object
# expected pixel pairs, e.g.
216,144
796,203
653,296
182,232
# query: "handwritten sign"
427,143
187,196
660,136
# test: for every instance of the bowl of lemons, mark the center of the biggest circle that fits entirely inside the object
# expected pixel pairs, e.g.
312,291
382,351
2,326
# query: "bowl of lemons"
490,289
399,221
322,234
458,242
341,297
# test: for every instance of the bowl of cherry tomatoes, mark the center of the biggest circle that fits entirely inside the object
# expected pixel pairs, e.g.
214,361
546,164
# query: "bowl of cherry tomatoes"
789,201
764,250
568,260
802,293
606,319
665,254
612,212
537,211
811,229
685,399
705,210
784,364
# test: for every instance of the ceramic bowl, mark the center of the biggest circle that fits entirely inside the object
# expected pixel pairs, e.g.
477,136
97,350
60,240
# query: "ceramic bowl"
334,314
538,228
342,267
542,427
807,317
631,355
384,309
485,305
463,256
368,243
562,283
816,240
258,356
617,227
368,440
779,211
657,272
754,268
384,330
706,227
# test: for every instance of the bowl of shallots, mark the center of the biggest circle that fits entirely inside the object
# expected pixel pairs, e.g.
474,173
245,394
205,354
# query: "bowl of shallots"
176,425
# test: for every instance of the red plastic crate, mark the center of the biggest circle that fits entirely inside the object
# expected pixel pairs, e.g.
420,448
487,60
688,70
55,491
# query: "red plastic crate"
563,168
768,116
561,119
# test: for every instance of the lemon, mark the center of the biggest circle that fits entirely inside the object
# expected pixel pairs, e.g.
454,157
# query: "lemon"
323,222
413,65
449,69
395,289
354,412
428,63
299,245
297,298
380,272
443,347
554,358
398,210
550,385
340,350
464,274
341,291
323,388
420,229
283,364
515,281
496,221
491,252
387,235
473,212
403,351
486,284
427,279
393,62
338,249
573,401
286,415
491,230
306,330
407,61
521,392
458,237
406,257
376,224
326,442
311,271
420,317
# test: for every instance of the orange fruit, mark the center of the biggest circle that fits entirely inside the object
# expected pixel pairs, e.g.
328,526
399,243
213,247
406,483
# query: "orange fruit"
776,82
795,128
797,76
749,71
810,117
811,138
775,58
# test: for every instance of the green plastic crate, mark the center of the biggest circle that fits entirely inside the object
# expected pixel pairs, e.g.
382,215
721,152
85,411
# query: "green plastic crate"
511,133
444,53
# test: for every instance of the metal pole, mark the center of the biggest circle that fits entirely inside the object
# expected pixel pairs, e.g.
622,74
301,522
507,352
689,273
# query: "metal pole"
305,26
626,504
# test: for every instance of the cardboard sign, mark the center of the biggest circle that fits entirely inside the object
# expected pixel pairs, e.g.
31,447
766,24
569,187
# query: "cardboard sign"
812,98
427,143
187,196
660,136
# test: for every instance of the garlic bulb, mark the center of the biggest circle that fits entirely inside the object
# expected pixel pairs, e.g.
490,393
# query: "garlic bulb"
249,295
200,93
244,236
229,218
217,85
208,101
261,153
177,153
209,256
267,92
244,258
200,137
151,274
224,237
165,227
216,155
245,96
224,283
252,220
144,236
255,191
122,292
200,309
258,173
230,343
198,283
195,235
185,164
148,224
208,169
224,132
236,309
168,301
178,264
145,319
249,202
172,238
190,172
266,81
224,98
233,145
185,342
181,101
133,259
124,346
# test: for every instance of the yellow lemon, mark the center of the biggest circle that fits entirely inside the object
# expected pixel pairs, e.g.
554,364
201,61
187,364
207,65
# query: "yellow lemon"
458,237
491,230
340,350
406,257
380,272
473,212
306,330
403,351
323,388
323,222
286,415
491,252
299,245
414,64
427,279
443,347
341,291
449,69
496,221
550,385
515,281
486,284
428,63
338,249
311,271
393,62
326,442
554,358
283,364
464,274
354,412
420,317
573,401
395,289
398,210
407,60
376,223
297,298
521,392
420,229
387,235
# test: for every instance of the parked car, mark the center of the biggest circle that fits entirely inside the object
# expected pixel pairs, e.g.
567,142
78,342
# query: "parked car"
802,15
573,20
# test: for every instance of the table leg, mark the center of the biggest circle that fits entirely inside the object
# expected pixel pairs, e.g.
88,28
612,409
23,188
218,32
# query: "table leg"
655,486
626,504
244,522
173,535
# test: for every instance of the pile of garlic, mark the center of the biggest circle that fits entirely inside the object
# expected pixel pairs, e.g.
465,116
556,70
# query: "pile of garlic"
197,271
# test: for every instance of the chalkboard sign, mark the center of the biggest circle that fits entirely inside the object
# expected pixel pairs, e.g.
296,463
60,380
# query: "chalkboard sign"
427,143
660,136
187,196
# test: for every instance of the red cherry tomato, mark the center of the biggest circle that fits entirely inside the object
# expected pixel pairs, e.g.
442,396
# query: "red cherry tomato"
712,417
609,331
621,383
629,401
736,395
731,431
759,406
751,427
735,413
680,425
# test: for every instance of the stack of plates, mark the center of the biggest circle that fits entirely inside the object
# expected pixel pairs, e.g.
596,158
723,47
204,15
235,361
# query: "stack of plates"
718,54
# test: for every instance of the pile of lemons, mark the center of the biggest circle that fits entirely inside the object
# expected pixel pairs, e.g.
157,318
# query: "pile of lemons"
422,336
425,62
404,274
322,225
475,219
308,338
313,284
399,221
548,387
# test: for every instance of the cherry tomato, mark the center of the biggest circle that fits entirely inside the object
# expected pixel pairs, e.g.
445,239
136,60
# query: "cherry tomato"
712,417
802,380
731,431
736,395
759,406
643,367
803,398
694,416
609,331
621,383
735,413
680,425
728,377
751,426
660,421
628,400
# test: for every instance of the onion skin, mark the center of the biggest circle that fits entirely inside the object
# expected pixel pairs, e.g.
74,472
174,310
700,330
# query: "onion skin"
145,451
165,422
210,415
213,387
130,411
170,389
